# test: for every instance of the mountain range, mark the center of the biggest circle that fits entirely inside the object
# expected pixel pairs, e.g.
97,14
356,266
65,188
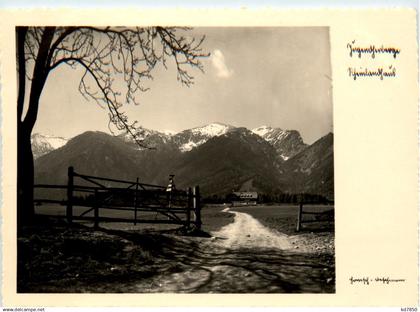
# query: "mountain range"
220,158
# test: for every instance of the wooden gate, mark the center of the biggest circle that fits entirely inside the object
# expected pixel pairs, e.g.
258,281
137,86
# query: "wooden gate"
98,194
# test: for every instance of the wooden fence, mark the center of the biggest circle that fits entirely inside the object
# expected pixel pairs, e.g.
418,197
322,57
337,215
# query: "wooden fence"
95,193
320,216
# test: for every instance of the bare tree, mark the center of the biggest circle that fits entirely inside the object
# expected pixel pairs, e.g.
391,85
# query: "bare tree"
115,61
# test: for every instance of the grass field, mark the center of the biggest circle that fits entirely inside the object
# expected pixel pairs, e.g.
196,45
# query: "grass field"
281,218
212,217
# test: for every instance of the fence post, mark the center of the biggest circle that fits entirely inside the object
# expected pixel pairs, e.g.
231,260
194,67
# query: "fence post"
96,210
189,204
299,218
197,208
70,184
135,201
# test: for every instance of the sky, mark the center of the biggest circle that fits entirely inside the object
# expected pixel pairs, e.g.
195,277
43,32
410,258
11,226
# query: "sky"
279,77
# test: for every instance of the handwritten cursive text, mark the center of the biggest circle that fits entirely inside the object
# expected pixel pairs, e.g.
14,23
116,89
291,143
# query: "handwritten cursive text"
378,72
372,50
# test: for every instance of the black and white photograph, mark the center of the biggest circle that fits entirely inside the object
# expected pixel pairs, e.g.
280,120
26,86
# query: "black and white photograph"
172,159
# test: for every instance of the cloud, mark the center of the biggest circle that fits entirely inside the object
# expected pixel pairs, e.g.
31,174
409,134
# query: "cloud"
218,61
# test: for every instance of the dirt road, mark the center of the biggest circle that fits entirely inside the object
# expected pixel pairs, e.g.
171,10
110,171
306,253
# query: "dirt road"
247,232
241,257
245,256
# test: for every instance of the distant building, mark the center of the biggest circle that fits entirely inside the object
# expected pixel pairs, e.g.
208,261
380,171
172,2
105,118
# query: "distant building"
244,198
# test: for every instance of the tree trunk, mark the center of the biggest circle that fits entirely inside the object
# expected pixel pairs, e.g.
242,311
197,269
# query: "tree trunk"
25,177
24,151
25,170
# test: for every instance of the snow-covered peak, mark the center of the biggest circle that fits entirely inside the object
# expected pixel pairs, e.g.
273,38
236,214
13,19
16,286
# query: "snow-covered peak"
43,144
152,136
53,141
169,132
192,138
286,142
262,131
211,130
271,134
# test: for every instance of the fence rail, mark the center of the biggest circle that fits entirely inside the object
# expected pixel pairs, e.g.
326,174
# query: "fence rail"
302,212
177,206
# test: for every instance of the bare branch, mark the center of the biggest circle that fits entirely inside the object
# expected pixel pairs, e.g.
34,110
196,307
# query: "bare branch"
118,56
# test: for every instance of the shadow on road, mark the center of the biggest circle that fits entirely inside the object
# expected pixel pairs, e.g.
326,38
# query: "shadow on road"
78,259
201,266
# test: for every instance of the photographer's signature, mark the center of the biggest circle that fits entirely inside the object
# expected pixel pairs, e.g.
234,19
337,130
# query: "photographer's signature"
368,280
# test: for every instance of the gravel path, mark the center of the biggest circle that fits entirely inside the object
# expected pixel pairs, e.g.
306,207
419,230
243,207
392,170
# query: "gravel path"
247,257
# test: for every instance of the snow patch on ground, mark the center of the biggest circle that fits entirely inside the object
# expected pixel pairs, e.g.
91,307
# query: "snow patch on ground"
284,157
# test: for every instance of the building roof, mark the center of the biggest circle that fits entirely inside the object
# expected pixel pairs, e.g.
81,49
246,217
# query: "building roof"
246,195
